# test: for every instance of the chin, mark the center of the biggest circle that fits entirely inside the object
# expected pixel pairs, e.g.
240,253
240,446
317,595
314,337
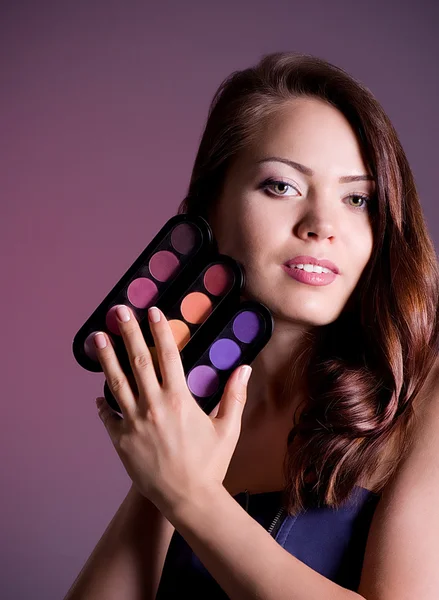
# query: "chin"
307,316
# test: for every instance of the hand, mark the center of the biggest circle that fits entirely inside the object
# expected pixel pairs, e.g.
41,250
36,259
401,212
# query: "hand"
169,446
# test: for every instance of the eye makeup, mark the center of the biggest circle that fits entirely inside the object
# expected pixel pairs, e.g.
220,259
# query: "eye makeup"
175,255
242,337
198,290
213,292
218,283
223,345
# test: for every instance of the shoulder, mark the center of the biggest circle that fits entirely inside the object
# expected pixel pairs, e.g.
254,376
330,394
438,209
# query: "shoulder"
400,561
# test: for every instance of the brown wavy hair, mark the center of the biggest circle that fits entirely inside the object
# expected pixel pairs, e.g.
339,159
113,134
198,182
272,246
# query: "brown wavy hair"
364,370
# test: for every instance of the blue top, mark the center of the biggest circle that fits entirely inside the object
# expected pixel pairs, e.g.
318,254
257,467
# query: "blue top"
330,541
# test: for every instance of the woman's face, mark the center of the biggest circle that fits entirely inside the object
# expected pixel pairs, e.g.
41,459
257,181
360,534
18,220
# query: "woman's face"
307,211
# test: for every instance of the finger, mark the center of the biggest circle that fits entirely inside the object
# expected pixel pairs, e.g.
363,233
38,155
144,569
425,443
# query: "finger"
168,354
109,417
138,353
233,400
116,378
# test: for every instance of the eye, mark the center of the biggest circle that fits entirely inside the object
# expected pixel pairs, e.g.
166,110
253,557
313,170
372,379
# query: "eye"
364,201
364,198
276,182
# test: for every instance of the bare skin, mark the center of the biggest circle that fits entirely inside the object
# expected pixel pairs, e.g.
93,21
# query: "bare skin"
262,228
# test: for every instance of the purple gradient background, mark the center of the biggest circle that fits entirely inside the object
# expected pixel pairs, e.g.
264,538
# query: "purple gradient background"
102,108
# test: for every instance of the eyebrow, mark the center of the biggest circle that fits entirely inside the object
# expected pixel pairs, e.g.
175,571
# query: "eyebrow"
310,172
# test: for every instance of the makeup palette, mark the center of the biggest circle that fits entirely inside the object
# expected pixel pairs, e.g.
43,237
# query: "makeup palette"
245,333
216,287
210,358
174,256
198,291
213,293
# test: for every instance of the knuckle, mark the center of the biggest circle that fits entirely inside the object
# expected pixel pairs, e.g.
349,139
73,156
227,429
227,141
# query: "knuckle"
174,399
125,443
239,397
141,361
154,416
117,383
170,355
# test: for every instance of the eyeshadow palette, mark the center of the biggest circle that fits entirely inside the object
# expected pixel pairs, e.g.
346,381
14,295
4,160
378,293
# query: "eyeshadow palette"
245,333
175,255
216,287
198,290
209,360
213,292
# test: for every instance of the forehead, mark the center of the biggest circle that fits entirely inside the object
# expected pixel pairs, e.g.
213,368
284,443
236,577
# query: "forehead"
309,131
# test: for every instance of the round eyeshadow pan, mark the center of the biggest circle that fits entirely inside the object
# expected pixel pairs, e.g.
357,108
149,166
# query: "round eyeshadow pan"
163,265
90,348
196,307
203,381
111,321
218,279
246,326
142,292
180,331
183,238
224,354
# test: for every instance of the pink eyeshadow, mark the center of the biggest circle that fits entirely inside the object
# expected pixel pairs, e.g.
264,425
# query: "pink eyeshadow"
142,292
89,346
163,265
111,321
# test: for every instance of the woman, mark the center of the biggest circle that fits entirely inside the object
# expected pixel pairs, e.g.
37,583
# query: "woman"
339,422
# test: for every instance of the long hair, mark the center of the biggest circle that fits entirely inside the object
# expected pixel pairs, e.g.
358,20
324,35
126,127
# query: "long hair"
363,371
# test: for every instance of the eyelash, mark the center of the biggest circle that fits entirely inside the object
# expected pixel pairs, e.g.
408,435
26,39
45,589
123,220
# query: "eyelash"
268,182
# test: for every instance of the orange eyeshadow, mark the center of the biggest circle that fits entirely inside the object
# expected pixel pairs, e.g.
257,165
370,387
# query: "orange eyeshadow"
196,307
180,331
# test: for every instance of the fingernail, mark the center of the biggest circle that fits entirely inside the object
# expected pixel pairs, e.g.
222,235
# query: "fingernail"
154,314
244,374
123,313
99,340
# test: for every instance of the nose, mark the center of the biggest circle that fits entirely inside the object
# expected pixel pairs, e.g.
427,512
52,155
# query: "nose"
318,219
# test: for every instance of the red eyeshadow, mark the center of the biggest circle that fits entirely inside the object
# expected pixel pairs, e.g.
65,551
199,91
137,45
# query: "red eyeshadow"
218,279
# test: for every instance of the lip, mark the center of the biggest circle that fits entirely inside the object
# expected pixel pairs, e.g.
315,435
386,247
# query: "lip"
311,260
317,279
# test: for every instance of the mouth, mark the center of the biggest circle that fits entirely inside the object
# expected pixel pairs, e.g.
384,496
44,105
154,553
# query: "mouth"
311,264
310,277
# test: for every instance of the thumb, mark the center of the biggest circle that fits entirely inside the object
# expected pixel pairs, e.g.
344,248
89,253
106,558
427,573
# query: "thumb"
109,417
234,397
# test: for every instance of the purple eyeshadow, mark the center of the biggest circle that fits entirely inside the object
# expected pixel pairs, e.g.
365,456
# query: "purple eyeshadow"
224,354
203,381
142,292
246,326
163,265
183,238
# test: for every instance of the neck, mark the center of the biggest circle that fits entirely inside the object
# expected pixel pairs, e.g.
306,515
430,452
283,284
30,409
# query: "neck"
277,383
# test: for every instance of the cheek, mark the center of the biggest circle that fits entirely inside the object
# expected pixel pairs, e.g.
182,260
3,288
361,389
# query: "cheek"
362,246
238,232
254,239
